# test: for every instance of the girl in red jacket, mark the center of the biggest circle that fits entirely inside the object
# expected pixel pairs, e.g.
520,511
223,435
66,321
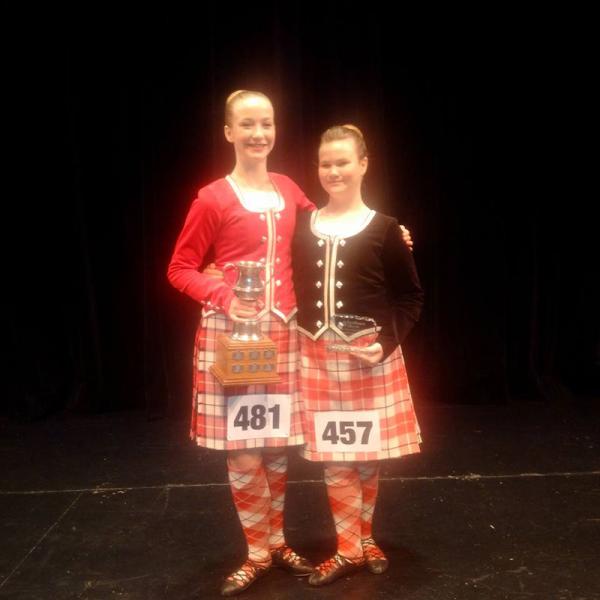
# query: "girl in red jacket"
248,215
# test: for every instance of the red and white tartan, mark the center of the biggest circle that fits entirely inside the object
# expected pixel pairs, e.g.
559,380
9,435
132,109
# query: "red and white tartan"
335,381
209,402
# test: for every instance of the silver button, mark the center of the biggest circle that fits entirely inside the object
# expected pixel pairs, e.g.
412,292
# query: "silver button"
320,243
261,217
339,304
277,260
338,284
342,242
278,282
279,238
319,263
318,284
277,216
340,263
263,239
263,260
319,304
319,323
278,304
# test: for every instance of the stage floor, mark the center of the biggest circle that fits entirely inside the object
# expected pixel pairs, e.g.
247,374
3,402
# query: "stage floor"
503,502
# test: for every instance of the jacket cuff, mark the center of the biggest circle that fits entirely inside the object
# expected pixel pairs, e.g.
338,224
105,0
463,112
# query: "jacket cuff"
220,301
388,343
403,324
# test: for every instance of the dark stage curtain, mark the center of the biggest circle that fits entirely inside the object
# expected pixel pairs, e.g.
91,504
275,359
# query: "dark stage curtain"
121,126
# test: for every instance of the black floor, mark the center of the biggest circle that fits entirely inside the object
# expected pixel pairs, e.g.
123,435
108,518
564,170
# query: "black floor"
503,502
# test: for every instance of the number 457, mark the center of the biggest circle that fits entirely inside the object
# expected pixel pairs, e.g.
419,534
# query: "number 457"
347,434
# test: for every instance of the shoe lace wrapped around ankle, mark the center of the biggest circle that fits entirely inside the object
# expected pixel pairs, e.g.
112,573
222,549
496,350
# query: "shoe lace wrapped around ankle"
336,561
245,573
289,556
331,563
371,550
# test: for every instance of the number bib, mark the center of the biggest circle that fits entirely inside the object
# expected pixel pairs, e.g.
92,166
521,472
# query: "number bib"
348,431
258,416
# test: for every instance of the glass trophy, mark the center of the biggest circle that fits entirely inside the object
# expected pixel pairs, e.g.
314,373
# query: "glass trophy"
351,325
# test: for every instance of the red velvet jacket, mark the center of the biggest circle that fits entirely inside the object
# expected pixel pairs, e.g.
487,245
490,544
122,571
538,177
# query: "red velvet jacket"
219,225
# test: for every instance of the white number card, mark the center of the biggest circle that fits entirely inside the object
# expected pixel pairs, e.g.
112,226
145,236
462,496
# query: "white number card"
348,431
258,416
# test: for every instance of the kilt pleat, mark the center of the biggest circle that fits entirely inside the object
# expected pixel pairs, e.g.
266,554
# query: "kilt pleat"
337,381
209,397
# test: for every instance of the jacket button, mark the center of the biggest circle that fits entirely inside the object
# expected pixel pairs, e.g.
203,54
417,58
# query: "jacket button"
263,239
319,323
338,284
277,216
340,263
319,263
279,238
277,260
278,282
320,243
319,304
318,284
261,217
339,304
342,242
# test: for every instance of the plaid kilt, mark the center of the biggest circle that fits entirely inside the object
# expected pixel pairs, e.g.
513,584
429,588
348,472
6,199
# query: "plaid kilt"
337,381
209,401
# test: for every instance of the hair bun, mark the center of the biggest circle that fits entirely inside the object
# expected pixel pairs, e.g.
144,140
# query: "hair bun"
233,95
353,128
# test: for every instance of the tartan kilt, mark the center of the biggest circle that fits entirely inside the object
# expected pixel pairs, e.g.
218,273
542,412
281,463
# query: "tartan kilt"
209,397
337,381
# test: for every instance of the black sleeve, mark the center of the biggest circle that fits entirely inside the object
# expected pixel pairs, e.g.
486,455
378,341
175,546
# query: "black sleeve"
404,291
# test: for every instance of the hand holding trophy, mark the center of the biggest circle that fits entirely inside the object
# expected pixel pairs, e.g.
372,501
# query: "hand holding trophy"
246,356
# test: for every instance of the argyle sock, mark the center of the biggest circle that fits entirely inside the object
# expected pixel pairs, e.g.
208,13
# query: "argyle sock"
345,500
252,500
275,464
368,473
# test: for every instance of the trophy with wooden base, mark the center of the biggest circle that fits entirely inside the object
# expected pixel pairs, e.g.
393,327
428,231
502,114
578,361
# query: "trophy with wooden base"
246,357
354,326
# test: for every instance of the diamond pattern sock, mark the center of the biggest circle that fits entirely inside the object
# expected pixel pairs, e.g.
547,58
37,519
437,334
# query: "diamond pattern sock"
252,500
369,479
345,500
275,464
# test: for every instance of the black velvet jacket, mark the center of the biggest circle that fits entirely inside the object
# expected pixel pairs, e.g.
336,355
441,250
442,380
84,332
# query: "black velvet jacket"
371,274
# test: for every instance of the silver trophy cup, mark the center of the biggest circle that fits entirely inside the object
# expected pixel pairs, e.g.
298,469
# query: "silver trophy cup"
246,356
249,286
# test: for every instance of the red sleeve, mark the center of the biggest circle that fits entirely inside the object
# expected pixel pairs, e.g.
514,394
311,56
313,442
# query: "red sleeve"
199,231
289,185
302,202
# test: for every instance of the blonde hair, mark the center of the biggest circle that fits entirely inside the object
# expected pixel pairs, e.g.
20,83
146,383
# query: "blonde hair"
344,132
240,95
